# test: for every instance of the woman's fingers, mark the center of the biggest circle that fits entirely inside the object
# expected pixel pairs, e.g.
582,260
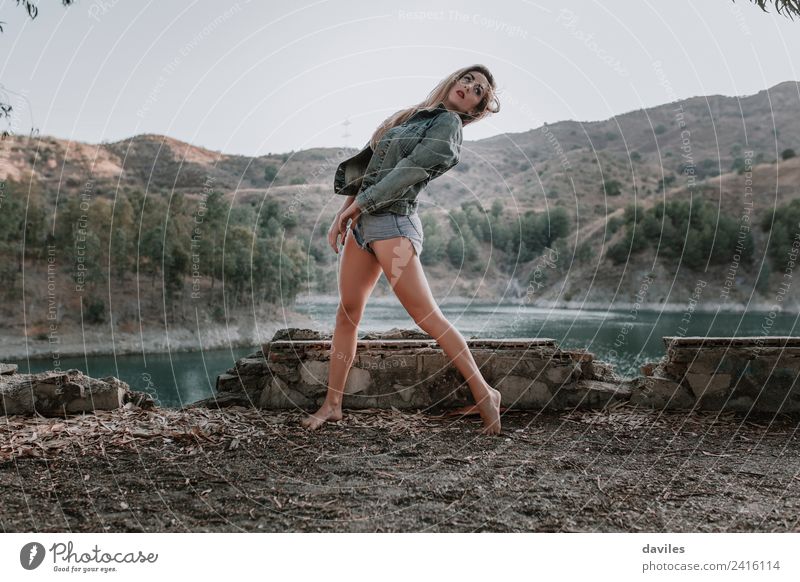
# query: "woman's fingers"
332,240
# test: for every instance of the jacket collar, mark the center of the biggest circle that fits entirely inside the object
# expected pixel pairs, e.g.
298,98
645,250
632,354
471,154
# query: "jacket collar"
430,111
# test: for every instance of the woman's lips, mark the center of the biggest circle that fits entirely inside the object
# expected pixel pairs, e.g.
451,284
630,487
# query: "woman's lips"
460,93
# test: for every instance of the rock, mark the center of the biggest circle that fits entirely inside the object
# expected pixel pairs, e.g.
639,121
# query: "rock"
223,400
709,384
512,389
396,333
141,400
294,333
251,366
648,368
7,369
60,393
660,393
593,394
603,372
228,383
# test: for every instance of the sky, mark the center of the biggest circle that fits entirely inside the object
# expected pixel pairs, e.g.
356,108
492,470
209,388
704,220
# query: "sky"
252,78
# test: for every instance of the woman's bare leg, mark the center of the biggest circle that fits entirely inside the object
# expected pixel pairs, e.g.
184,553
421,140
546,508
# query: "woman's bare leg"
358,273
402,268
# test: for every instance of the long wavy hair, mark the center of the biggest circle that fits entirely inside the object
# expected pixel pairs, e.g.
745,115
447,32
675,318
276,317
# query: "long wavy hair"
488,104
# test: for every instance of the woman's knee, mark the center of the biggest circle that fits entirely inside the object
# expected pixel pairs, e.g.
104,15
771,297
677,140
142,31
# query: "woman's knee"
349,314
431,322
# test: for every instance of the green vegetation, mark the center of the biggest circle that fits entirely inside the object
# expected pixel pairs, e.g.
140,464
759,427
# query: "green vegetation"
612,187
176,243
665,183
695,234
521,239
270,172
784,228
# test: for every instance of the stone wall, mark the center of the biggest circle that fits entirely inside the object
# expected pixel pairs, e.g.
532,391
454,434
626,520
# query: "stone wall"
407,370
404,369
61,393
724,373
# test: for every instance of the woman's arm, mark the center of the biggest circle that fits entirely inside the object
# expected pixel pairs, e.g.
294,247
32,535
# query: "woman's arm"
440,144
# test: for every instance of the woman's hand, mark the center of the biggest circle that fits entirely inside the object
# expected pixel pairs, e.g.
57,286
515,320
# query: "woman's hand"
333,234
339,225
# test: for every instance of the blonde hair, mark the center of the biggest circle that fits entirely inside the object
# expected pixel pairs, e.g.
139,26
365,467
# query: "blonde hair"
488,104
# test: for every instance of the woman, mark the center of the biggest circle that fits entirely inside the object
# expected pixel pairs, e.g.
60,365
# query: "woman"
381,183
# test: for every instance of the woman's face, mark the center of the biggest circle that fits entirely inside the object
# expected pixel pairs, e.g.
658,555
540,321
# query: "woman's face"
467,92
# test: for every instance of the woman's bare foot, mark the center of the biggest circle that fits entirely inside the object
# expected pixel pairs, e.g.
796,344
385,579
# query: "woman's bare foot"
325,413
489,409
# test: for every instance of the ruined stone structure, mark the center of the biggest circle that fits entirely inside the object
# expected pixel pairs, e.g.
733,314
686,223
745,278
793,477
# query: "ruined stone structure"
61,393
724,373
408,370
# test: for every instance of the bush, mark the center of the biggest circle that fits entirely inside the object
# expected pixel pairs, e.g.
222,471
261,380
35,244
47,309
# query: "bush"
618,253
693,233
787,154
614,223
783,231
270,172
463,252
585,252
95,311
665,183
612,187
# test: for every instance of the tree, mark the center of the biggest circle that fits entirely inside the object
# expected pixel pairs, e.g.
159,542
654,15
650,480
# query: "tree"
790,7
783,228
33,10
612,187
122,236
463,251
6,108
497,208
435,244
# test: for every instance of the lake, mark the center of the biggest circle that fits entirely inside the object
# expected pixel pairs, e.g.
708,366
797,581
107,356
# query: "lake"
618,337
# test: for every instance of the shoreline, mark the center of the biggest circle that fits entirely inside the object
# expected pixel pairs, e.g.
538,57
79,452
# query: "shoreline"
618,307
102,341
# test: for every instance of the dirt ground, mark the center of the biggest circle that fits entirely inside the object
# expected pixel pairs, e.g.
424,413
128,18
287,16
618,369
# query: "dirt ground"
235,469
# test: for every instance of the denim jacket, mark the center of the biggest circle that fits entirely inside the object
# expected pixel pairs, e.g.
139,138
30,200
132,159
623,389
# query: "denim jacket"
407,157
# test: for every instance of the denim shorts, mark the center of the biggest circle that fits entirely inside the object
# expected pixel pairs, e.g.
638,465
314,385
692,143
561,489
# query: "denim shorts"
385,225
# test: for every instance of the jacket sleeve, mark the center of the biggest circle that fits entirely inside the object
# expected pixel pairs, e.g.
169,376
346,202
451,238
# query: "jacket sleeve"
441,144
349,174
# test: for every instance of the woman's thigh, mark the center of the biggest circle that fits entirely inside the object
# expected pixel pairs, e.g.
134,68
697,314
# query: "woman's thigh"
359,271
403,269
